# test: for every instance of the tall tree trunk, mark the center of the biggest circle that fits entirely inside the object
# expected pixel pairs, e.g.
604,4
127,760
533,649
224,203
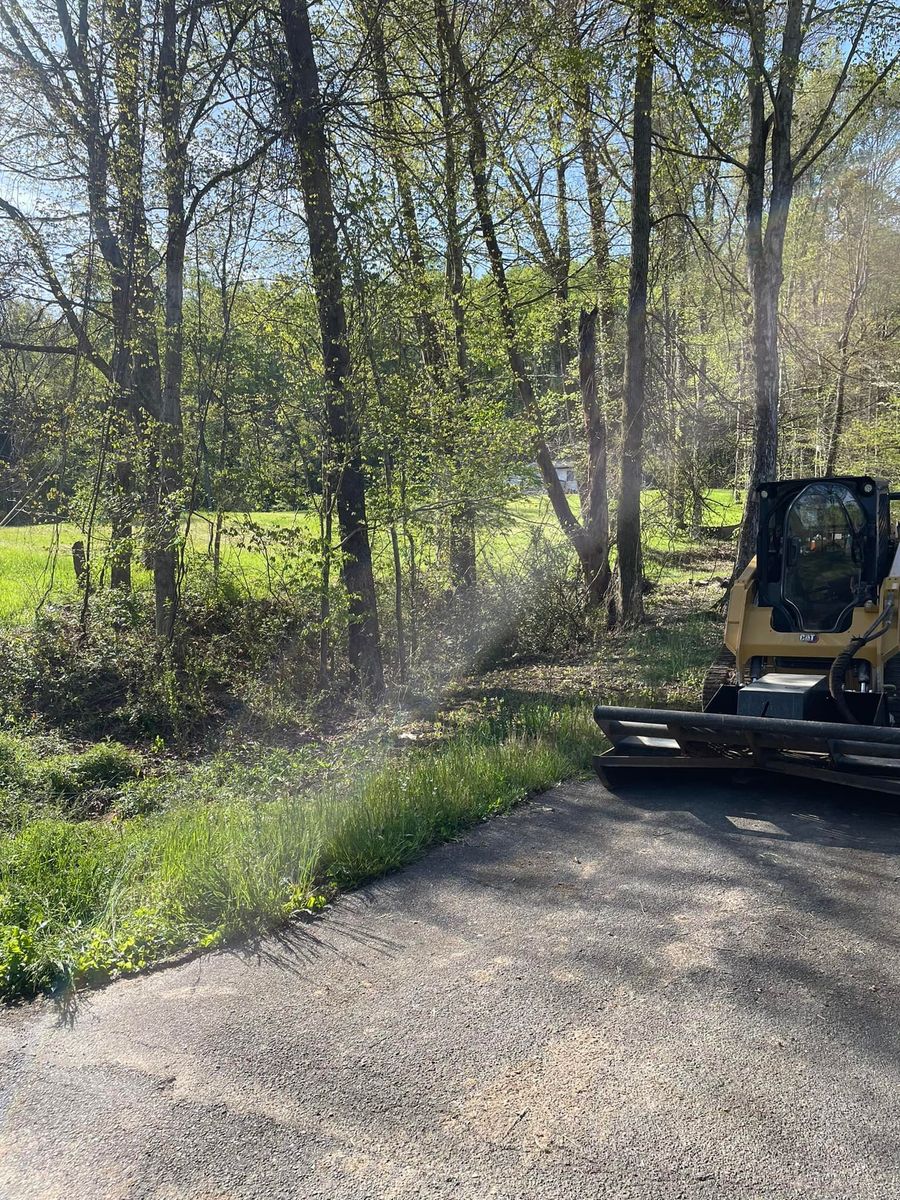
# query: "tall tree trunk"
463,565
122,500
764,320
594,501
765,242
170,438
129,255
121,233
306,121
126,256
628,527
599,231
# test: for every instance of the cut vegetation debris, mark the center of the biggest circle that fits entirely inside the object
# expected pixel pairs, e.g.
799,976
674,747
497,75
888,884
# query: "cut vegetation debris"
38,777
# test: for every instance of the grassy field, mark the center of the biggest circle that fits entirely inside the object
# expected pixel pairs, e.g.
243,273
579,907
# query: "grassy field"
36,560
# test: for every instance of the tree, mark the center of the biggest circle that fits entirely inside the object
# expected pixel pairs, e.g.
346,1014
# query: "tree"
628,521
447,381
766,225
110,132
305,118
592,553
772,168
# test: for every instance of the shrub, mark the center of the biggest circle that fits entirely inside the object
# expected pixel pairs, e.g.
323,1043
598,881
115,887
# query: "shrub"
536,609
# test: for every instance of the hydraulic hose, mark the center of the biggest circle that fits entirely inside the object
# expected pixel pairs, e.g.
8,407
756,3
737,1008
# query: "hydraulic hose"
841,664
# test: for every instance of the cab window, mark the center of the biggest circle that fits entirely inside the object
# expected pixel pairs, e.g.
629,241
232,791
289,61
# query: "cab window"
824,542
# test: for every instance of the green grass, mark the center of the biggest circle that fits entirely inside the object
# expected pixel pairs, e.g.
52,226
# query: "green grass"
33,564
80,901
672,660
36,560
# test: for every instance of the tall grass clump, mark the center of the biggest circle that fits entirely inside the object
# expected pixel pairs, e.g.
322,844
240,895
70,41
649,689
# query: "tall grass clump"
40,776
83,901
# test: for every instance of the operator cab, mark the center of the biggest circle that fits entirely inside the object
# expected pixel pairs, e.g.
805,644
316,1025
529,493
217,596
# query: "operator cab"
824,548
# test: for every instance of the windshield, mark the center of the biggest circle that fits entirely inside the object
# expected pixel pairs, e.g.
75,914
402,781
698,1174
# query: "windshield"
823,555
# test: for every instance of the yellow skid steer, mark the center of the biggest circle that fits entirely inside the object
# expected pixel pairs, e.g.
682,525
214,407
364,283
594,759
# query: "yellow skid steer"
808,679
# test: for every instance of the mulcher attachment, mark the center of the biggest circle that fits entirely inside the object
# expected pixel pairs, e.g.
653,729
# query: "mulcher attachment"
860,756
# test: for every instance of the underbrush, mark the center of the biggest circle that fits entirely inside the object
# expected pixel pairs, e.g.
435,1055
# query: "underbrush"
102,675
535,609
40,776
253,662
111,860
82,901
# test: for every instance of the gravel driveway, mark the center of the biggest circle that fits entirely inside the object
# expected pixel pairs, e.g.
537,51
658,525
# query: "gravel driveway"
676,992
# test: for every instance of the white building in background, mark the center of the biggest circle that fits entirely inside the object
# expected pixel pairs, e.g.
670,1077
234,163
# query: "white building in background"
530,482
565,473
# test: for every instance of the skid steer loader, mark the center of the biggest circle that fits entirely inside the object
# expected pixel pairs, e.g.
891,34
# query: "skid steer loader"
808,681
